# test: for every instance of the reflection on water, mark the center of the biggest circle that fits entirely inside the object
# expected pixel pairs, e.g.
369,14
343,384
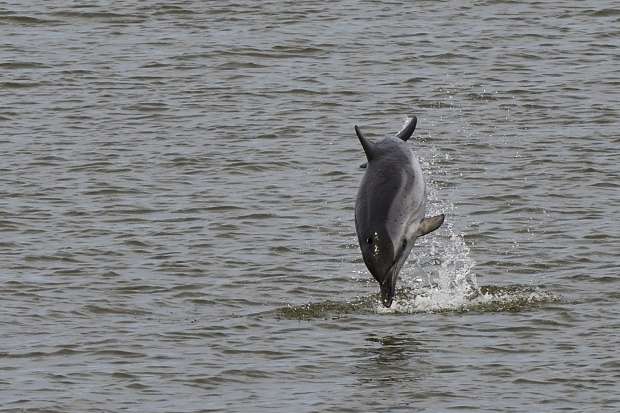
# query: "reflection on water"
392,359
392,369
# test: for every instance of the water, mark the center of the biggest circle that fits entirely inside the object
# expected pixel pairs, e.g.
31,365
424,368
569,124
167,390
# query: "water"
177,185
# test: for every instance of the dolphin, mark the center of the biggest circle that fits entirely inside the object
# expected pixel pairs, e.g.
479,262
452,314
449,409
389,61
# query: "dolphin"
390,207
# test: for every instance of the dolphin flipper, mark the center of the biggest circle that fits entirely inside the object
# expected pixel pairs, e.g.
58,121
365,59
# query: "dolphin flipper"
430,224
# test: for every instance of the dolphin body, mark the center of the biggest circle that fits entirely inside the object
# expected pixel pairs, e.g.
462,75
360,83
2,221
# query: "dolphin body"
390,207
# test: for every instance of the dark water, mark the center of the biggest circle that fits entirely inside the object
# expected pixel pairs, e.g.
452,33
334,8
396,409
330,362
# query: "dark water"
177,182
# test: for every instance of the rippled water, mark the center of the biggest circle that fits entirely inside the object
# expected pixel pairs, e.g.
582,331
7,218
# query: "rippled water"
177,183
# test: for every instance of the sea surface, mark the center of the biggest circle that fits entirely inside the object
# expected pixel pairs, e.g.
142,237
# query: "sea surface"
177,189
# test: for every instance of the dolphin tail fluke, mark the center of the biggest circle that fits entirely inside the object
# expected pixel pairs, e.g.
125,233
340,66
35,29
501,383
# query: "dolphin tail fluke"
366,144
408,129
430,224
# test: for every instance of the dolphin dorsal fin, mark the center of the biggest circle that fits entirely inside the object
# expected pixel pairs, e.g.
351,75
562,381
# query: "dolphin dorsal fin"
430,224
366,144
407,130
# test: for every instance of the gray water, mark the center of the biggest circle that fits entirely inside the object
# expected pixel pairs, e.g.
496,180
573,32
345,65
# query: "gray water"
177,182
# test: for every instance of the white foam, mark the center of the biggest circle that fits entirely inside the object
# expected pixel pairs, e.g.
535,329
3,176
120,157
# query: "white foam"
432,300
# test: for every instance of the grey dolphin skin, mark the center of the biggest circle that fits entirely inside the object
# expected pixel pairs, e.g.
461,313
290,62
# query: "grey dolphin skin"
390,207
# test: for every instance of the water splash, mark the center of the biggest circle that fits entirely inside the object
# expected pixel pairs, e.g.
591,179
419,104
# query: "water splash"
487,298
440,271
447,281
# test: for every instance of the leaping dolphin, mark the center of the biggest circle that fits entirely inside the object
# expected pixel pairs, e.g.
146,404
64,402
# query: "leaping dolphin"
390,207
